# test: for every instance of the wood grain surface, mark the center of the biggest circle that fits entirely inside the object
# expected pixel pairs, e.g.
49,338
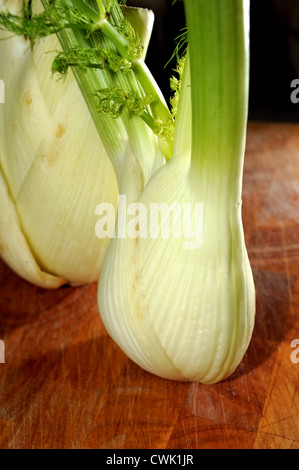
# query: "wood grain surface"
65,384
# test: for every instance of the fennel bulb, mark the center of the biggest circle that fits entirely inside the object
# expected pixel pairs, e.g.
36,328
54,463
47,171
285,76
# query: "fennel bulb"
178,301
188,314
54,169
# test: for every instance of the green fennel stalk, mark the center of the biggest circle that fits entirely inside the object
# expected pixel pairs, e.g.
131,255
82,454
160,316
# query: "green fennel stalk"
112,33
219,82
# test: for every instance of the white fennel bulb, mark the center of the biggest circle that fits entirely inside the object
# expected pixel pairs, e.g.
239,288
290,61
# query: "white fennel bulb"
54,167
180,301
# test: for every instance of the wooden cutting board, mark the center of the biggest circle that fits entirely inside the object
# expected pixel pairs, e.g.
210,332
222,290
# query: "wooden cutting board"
65,384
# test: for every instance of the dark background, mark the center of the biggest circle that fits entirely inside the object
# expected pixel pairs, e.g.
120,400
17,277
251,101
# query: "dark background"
274,53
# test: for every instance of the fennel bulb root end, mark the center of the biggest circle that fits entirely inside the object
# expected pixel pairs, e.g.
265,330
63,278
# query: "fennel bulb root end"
181,314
